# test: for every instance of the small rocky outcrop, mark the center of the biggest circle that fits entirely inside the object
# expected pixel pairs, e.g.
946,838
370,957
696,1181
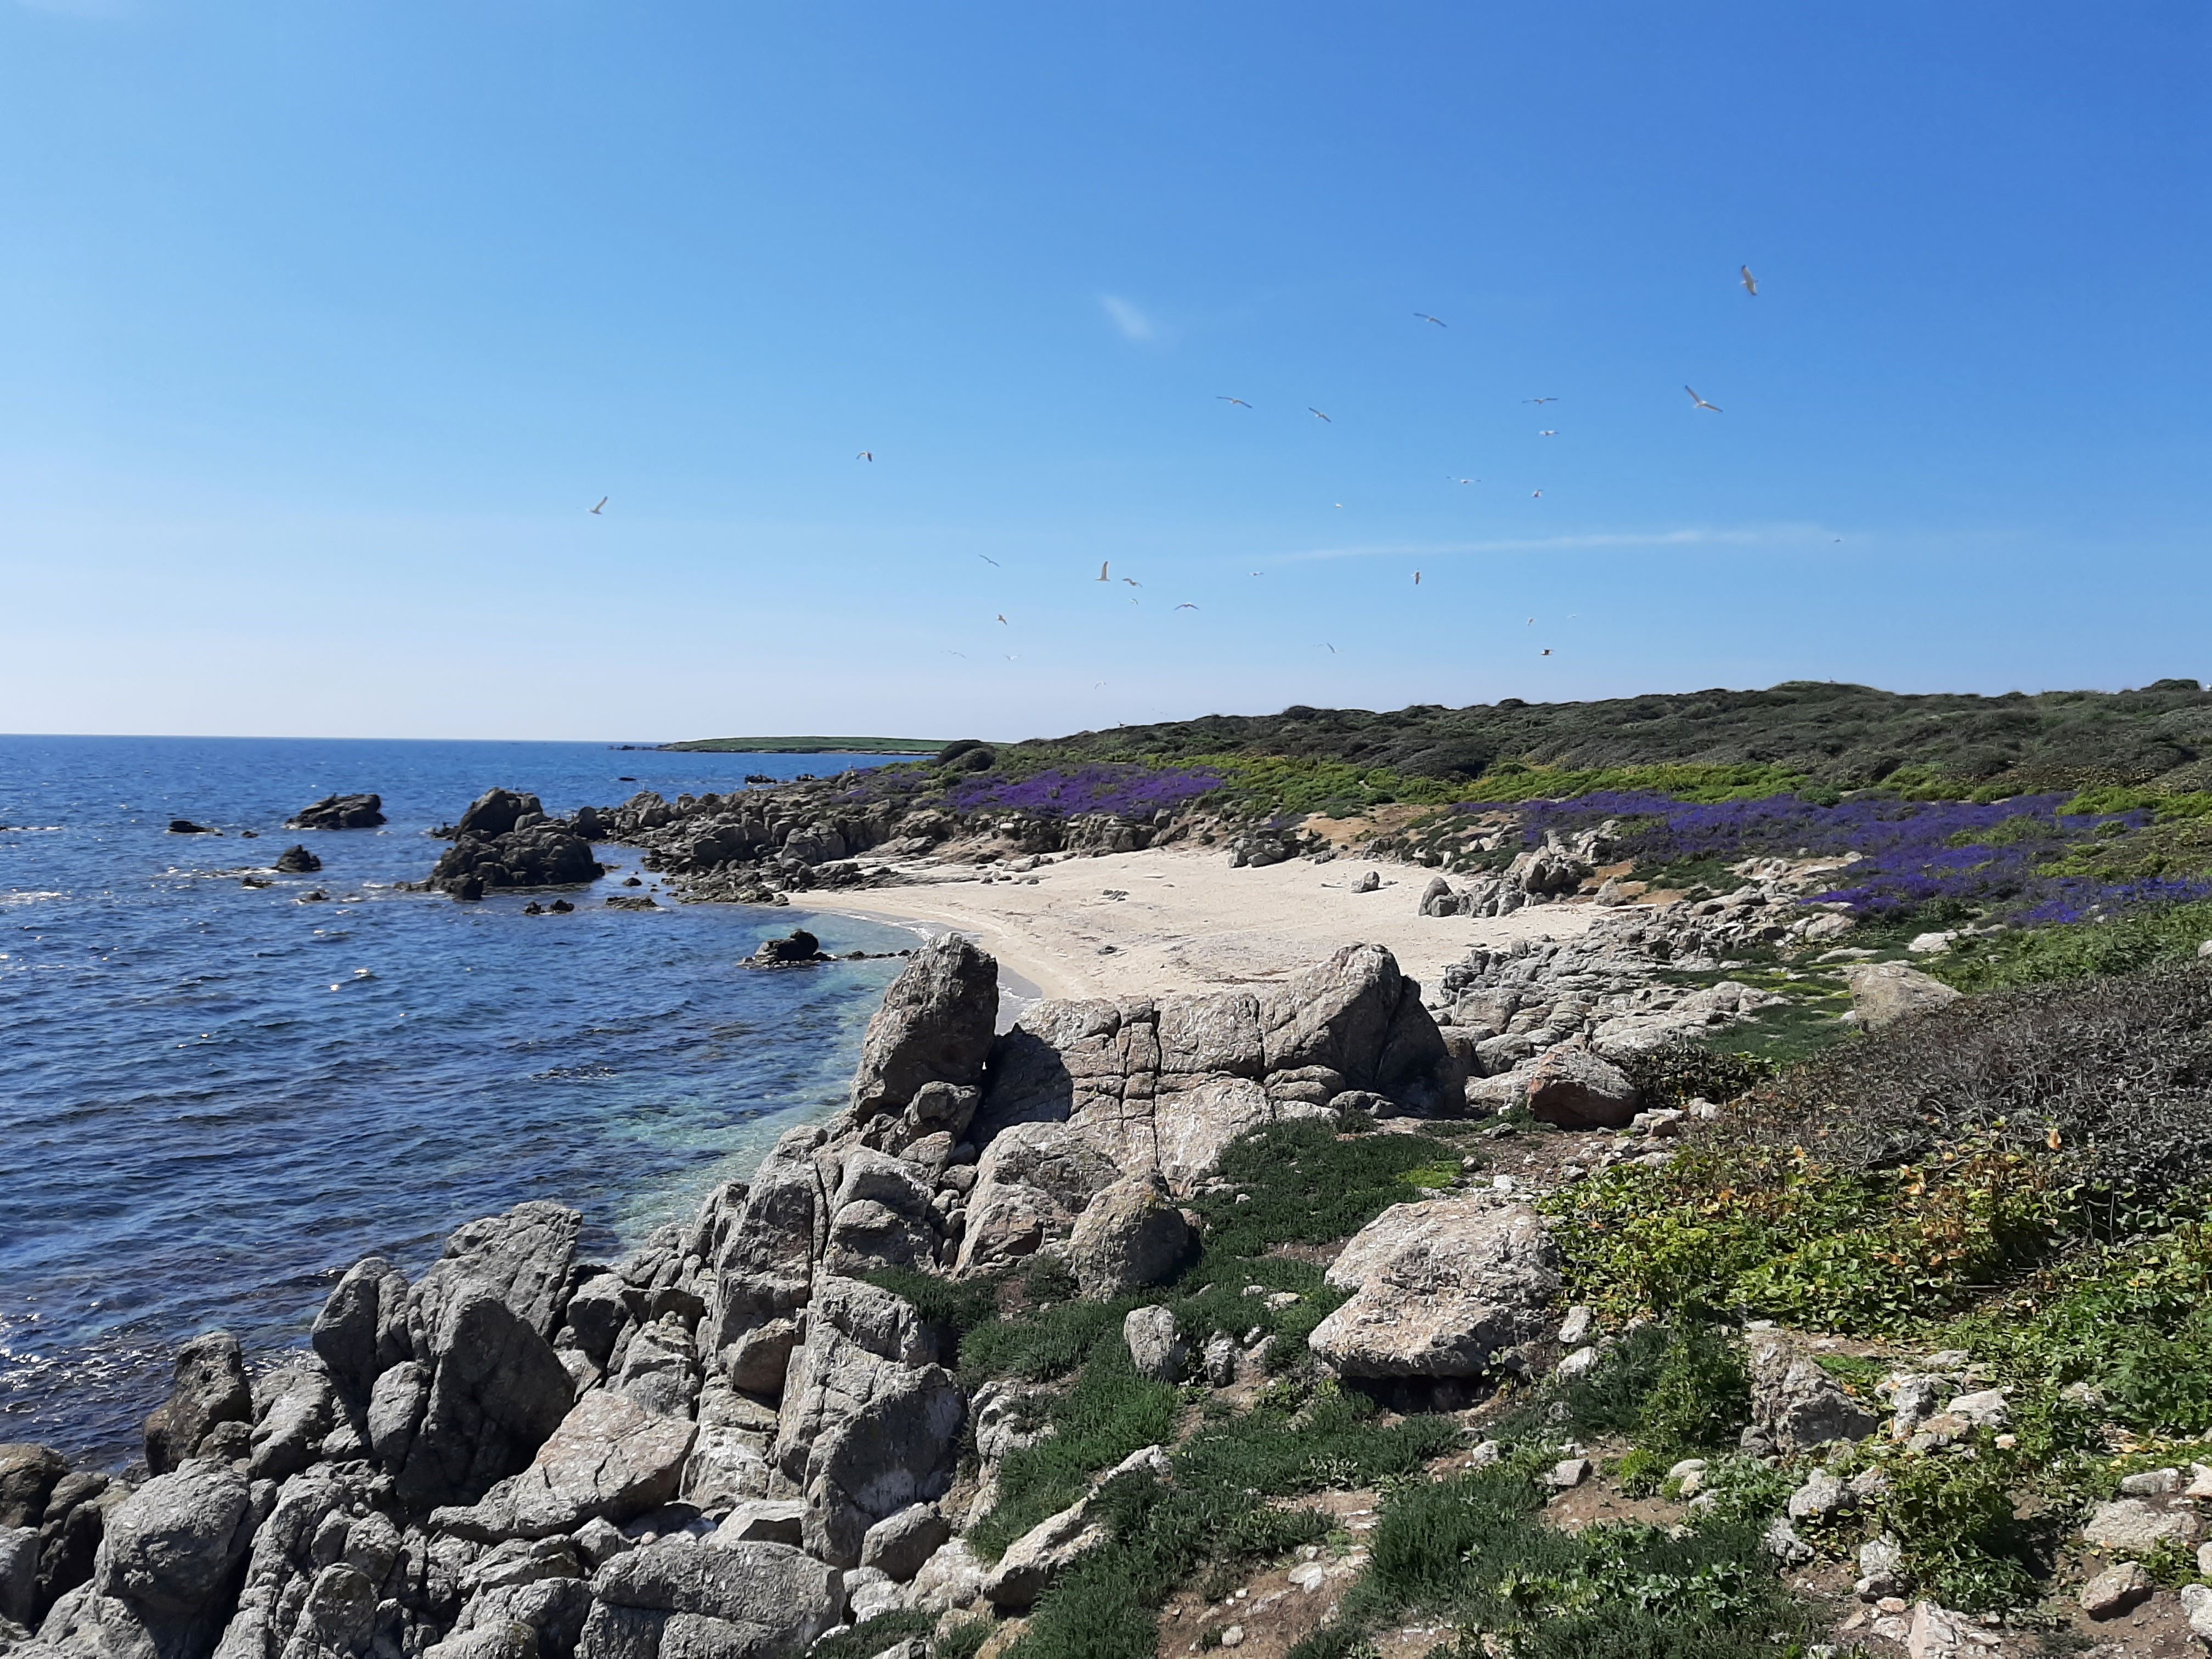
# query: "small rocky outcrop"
1440,1288
297,861
935,1026
505,839
339,813
186,827
1795,1404
1883,992
798,945
210,1408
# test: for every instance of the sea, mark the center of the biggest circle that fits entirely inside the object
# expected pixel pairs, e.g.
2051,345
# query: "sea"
214,1096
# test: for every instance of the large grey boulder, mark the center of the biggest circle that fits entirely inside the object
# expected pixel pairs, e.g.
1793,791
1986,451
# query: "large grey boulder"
935,1026
339,813
2129,1526
69,1536
1438,1287
680,1598
523,1257
1576,1089
869,1422
210,1389
1883,992
498,1391
361,1331
1128,1236
1797,1405
611,1458
167,1571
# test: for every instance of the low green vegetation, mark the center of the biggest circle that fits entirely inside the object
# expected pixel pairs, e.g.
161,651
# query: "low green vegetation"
2076,951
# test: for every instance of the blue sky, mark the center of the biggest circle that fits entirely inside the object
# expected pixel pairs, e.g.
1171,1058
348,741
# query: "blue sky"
321,326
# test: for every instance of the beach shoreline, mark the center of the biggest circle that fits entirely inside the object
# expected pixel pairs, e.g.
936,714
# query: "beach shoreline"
1181,920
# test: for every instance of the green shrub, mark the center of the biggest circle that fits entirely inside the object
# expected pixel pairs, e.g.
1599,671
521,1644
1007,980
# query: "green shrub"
1956,1517
1673,1389
955,1306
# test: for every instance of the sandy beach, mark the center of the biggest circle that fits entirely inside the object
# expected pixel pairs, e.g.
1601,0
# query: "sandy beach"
1146,923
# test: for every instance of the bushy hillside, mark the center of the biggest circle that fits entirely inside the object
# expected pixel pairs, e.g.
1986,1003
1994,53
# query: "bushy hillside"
1846,736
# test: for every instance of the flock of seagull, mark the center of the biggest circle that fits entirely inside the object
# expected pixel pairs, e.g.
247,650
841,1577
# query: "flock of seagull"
1749,282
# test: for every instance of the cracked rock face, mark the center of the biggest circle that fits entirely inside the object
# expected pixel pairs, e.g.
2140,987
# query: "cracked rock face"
1438,1288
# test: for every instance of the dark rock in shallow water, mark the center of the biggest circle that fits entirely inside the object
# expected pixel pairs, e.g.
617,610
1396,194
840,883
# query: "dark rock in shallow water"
297,861
560,907
339,813
255,881
536,853
467,889
533,908
631,901
186,827
800,946
210,1391
492,814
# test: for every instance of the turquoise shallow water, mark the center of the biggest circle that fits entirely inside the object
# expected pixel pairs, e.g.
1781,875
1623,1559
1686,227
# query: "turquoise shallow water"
214,1098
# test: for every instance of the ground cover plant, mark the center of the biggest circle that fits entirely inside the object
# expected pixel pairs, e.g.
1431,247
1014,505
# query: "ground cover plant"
2022,1178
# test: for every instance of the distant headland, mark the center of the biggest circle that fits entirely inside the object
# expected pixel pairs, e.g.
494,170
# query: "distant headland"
807,745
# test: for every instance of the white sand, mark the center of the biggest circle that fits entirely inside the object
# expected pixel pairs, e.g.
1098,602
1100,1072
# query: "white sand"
1190,922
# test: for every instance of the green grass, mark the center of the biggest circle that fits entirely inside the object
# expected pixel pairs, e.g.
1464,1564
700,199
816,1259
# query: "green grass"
2085,950
1309,1186
1471,1549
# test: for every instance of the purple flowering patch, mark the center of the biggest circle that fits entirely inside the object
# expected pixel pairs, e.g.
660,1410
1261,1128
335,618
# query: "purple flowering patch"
1124,791
1990,856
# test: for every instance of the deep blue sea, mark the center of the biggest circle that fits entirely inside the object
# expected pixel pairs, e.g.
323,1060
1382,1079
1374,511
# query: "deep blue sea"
214,1098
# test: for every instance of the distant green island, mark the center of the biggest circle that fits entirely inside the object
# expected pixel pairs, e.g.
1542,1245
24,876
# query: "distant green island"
809,746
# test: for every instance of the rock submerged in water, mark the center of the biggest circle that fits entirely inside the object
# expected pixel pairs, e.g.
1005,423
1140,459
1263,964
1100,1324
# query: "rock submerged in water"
297,861
339,813
186,827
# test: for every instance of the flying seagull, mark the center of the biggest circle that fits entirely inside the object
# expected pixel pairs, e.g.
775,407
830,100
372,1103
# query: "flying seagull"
1750,282
602,502
1101,568
865,455
1223,398
1331,649
1417,579
1318,415
1536,494
1185,605
1549,432
1545,652
989,560
1133,581
1701,401
1449,479
1002,620
950,652
1426,318
1540,400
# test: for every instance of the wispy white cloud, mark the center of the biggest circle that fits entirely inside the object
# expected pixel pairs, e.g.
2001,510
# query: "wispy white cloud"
1133,323
1758,536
